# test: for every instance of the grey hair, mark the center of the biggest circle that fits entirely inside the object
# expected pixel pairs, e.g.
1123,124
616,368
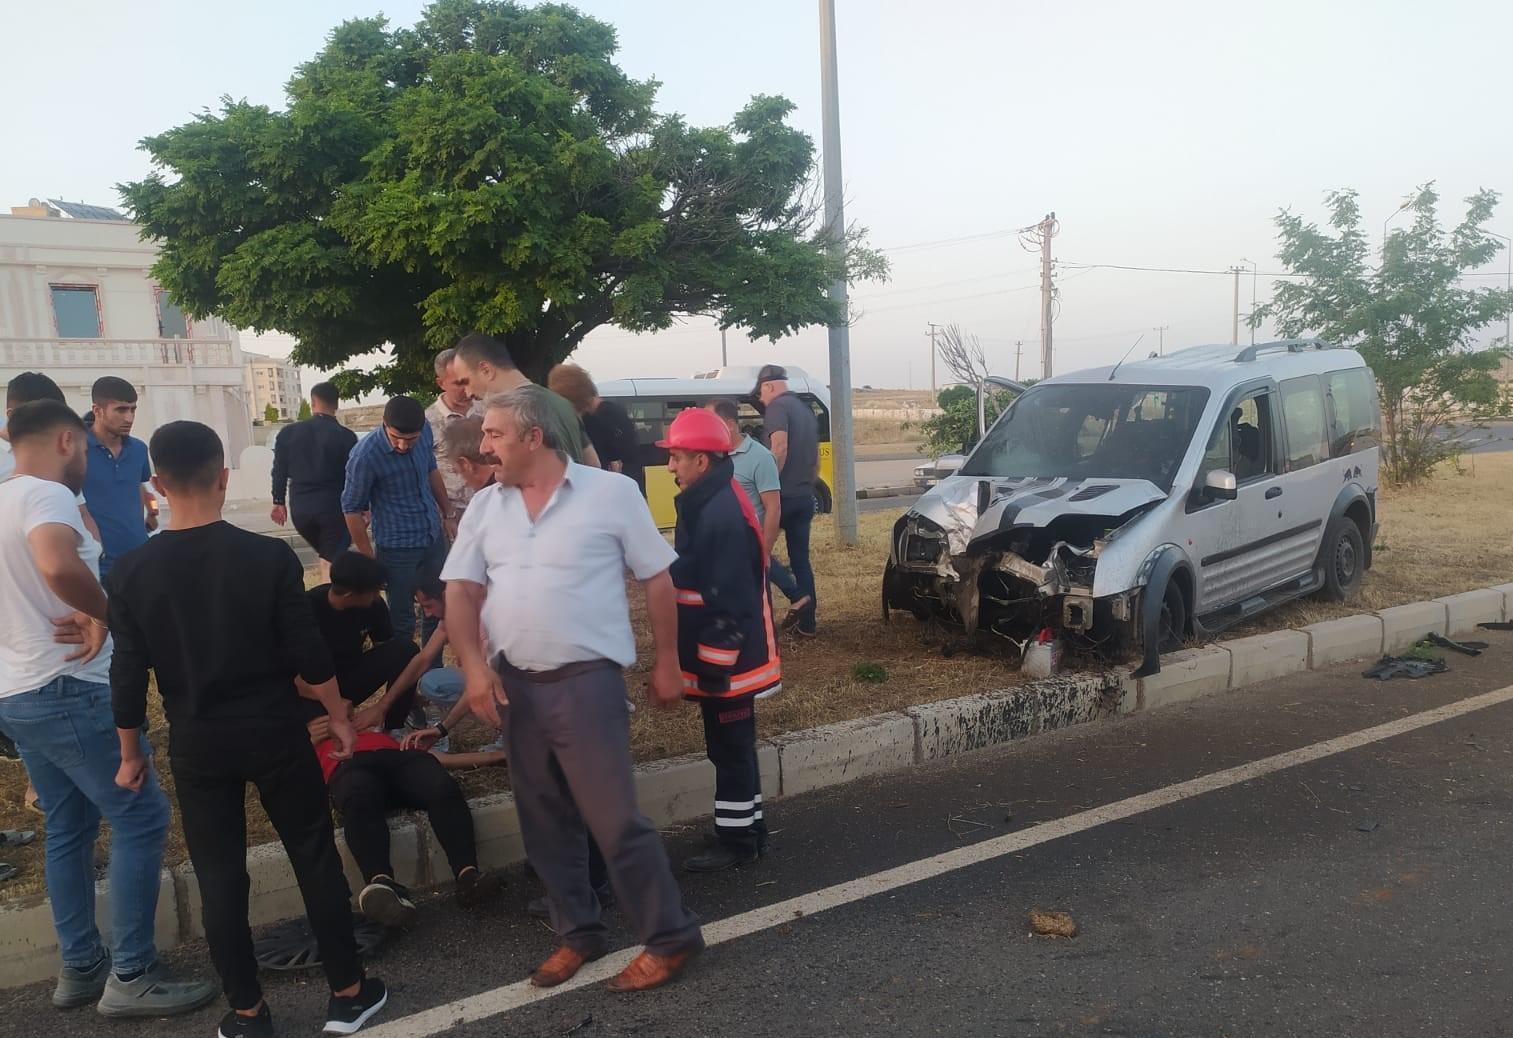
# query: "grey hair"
464,439
443,359
531,409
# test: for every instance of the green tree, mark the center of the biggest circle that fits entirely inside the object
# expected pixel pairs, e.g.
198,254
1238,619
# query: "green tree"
1409,315
491,168
270,414
954,430
304,410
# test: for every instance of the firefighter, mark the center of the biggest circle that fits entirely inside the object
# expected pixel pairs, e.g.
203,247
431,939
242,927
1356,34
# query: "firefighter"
725,637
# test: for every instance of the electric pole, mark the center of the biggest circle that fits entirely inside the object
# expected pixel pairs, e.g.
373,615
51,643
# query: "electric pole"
843,446
724,356
933,326
1047,230
1160,331
1018,352
1235,333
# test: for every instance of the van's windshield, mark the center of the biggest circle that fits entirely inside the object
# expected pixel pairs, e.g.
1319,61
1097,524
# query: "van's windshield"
1092,430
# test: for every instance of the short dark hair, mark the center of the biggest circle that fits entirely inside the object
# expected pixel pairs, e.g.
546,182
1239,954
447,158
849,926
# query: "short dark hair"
475,346
31,386
726,409
358,574
41,418
429,583
187,455
404,414
111,389
326,393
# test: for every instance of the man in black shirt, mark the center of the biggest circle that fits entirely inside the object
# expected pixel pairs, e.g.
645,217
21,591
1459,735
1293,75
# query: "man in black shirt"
609,427
310,461
220,616
350,614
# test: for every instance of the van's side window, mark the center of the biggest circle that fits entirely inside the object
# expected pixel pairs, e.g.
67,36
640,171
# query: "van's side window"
1303,415
1241,444
1356,420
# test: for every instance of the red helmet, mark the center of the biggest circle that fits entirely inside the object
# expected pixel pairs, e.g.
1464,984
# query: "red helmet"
696,429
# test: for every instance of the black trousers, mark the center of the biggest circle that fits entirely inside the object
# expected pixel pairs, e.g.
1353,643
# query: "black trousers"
361,677
212,787
374,782
730,740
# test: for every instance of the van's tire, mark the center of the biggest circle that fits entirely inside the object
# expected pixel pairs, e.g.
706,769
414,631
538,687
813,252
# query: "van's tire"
1172,626
821,498
1343,558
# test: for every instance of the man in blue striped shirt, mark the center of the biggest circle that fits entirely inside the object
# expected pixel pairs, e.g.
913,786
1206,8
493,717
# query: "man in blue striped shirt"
392,473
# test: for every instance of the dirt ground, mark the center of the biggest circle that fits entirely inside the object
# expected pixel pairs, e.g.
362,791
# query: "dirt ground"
1443,537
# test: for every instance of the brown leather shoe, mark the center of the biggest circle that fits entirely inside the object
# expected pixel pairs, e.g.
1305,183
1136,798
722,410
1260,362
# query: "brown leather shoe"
560,966
650,970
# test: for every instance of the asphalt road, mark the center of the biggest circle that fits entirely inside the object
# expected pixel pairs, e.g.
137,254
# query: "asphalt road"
1361,893
1494,439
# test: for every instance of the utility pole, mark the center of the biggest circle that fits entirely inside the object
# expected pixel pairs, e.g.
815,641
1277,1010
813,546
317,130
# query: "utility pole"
724,356
1047,230
1251,317
1018,352
1235,334
843,445
933,326
1160,331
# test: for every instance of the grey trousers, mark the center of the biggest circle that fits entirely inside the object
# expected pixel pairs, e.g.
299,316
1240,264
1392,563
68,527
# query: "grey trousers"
567,738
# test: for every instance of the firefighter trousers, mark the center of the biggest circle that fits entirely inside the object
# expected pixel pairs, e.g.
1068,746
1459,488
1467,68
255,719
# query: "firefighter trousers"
730,739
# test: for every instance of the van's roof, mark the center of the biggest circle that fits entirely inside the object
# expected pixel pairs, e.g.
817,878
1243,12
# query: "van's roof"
1220,367
734,383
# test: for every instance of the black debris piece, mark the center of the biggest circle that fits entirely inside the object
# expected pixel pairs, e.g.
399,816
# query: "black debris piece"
1389,667
1370,825
1497,625
1468,648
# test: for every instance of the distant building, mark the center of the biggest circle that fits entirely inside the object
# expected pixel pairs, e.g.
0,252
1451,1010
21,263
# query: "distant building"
275,382
78,301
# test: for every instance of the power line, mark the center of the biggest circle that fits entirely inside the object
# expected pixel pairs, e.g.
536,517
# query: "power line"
950,299
885,292
939,243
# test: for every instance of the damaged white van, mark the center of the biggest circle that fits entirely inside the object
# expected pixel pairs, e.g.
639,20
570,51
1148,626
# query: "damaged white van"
1130,508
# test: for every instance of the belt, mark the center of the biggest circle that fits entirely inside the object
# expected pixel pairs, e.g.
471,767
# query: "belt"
551,677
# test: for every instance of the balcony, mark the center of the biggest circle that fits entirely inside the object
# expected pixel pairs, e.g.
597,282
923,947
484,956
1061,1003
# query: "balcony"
48,354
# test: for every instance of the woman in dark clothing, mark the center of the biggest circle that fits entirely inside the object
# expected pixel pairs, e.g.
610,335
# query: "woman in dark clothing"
609,428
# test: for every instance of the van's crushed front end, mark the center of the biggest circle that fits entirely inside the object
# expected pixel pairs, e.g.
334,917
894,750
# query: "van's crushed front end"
1010,556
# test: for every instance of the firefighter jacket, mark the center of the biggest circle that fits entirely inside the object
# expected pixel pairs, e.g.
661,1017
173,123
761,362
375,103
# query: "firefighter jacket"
726,644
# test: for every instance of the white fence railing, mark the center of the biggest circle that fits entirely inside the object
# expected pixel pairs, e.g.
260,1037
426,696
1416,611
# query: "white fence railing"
99,353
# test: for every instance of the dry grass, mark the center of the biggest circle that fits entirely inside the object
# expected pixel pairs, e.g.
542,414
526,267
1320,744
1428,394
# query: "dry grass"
1443,537
886,430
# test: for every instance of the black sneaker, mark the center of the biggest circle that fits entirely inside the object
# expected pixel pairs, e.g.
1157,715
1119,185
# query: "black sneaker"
347,1015
386,902
235,1025
475,887
720,858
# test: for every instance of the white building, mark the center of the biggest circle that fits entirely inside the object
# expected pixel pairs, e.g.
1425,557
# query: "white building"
274,382
78,301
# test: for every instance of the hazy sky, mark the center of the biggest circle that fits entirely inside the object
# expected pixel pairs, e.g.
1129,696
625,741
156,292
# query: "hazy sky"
1161,133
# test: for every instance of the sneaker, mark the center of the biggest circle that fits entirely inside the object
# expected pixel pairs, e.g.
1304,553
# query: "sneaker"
235,1025
78,987
386,902
720,858
153,994
475,887
347,1015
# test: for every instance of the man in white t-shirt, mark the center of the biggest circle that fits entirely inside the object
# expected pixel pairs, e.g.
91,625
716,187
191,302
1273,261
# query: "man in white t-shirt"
55,705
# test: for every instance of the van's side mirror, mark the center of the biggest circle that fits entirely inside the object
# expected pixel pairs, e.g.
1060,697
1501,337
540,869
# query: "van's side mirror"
1220,485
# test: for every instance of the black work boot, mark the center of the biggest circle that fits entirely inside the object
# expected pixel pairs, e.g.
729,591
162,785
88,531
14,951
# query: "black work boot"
721,857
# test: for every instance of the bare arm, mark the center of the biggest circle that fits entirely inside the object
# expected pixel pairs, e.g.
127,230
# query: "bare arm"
89,521
55,550
772,518
662,611
777,443
417,666
591,456
439,492
357,529
483,692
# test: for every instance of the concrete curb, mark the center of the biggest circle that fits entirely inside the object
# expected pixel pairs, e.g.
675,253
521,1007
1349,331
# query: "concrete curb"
681,790
867,493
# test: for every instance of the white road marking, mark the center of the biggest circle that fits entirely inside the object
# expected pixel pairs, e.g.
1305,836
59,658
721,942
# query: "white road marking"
514,996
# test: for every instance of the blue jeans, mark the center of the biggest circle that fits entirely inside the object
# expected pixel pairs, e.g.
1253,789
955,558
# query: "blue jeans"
442,686
781,577
67,737
797,517
401,565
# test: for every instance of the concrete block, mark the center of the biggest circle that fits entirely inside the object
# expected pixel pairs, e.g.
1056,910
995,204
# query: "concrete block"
496,826
1262,657
1348,638
973,722
1405,624
1506,590
1466,610
29,944
842,752
682,788
1186,675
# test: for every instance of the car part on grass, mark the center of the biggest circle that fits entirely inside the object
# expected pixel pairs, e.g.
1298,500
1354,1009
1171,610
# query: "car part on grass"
7,872
16,837
291,945
1465,648
1389,667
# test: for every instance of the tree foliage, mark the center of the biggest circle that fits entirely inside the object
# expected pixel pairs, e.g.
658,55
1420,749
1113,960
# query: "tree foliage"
270,414
491,168
1409,315
954,430
304,410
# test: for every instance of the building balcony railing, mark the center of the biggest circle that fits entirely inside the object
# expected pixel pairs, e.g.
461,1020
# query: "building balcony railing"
42,354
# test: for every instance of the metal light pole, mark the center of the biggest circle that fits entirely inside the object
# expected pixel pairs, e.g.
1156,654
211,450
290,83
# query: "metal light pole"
842,445
1507,334
724,355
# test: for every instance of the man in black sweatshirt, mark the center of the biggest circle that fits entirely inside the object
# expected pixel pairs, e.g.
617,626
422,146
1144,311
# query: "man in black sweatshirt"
221,617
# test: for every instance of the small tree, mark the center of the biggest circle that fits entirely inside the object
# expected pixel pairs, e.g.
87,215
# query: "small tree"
304,410
963,355
270,414
954,430
1409,316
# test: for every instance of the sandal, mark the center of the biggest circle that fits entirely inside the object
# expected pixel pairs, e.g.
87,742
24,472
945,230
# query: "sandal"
16,837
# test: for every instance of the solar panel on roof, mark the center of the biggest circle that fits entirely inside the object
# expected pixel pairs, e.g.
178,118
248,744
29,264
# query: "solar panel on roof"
81,211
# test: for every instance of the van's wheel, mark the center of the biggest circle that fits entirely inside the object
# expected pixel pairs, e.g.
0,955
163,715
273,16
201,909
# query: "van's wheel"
821,498
1344,560
1173,622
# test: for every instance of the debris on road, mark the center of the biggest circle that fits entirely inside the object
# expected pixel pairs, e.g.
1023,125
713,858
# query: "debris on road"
1052,924
1466,648
1370,825
1497,625
1389,667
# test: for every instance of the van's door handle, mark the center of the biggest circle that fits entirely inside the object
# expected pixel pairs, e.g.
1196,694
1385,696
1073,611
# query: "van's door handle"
1273,492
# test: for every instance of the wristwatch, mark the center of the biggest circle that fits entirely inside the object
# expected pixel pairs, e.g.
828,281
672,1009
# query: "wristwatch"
441,728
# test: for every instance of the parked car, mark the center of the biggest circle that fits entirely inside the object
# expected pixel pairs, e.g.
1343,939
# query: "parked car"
1136,506
932,472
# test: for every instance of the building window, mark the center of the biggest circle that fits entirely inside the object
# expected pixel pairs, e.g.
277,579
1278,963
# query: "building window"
172,324
76,311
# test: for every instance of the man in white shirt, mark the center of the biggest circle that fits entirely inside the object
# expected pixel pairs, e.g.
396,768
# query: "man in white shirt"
554,538
55,703
452,405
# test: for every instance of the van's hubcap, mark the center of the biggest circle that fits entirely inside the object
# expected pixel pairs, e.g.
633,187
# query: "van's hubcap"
1344,560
